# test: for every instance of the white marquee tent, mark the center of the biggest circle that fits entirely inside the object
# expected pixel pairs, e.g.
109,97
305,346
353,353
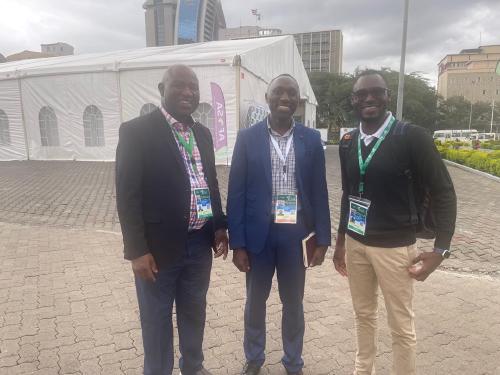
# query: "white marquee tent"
71,107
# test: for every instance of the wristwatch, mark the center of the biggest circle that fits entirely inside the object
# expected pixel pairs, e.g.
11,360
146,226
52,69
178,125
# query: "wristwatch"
443,252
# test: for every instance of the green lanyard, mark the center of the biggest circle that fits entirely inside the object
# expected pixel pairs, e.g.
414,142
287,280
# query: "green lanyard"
188,146
363,165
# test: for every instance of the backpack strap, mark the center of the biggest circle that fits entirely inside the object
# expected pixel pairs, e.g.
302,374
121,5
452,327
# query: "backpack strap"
401,131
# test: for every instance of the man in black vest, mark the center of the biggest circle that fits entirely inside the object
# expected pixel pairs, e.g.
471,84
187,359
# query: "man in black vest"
380,163
171,216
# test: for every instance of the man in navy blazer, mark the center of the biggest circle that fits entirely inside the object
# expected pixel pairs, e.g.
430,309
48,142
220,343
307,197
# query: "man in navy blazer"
277,196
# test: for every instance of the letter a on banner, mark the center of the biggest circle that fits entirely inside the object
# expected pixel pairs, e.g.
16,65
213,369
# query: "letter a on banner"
219,108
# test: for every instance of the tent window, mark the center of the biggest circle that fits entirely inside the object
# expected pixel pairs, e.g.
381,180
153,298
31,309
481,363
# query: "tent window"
147,108
93,127
47,121
204,114
4,129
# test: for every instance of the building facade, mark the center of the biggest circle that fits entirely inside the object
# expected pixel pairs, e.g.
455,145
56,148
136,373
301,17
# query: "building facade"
471,74
321,51
244,32
58,49
170,22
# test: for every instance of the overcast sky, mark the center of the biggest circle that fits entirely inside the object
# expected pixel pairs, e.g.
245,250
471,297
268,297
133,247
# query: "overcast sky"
372,29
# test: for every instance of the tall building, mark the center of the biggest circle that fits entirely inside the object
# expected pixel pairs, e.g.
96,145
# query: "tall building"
321,51
170,22
244,32
471,74
58,49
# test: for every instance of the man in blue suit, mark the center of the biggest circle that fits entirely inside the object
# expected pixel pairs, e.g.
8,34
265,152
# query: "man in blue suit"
277,196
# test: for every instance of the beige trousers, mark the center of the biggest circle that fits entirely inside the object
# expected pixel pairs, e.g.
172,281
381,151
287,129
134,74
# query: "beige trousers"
368,268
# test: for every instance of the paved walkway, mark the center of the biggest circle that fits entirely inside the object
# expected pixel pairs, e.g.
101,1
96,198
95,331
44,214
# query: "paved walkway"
68,305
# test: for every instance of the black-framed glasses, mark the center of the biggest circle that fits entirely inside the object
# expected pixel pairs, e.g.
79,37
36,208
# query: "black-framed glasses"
376,92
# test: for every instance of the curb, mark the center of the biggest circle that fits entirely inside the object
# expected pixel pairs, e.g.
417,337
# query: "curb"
472,170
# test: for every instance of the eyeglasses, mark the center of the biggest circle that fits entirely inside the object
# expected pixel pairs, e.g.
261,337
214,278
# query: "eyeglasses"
376,92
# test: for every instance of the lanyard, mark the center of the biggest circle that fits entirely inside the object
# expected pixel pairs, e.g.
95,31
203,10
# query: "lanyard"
280,153
363,165
188,146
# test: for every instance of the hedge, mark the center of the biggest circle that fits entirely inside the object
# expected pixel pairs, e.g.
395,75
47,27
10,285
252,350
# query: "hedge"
491,145
488,162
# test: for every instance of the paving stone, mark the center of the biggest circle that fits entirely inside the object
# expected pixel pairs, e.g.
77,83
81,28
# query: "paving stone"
68,302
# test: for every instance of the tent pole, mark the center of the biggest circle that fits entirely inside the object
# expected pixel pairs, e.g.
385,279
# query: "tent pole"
23,119
119,86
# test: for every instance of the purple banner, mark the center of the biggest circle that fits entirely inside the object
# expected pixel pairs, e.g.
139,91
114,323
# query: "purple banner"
219,108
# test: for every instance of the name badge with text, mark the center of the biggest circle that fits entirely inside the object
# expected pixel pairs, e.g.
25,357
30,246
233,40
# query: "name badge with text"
286,209
358,214
203,203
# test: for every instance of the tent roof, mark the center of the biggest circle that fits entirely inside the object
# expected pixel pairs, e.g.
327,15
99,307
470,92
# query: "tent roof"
263,57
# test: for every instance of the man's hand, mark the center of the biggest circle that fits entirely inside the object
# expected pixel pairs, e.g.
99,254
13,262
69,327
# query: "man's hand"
240,260
220,243
318,256
430,261
145,267
339,259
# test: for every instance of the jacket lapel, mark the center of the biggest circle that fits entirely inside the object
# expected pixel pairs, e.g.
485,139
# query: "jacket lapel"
266,152
300,153
167,137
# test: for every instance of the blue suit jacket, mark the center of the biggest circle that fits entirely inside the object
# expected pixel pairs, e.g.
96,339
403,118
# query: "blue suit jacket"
250,186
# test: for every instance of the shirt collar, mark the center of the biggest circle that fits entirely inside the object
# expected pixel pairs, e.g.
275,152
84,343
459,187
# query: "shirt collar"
276,134
368,138
174,122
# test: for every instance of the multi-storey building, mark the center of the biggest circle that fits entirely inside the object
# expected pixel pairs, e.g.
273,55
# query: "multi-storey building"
321,51
243,32
471,74
58,49
170,22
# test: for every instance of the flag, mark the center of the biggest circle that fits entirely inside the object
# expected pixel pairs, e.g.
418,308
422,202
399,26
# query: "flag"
254,12
258,17
498,68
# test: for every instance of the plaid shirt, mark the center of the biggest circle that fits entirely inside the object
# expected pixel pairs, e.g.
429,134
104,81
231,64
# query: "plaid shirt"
196,180
280,184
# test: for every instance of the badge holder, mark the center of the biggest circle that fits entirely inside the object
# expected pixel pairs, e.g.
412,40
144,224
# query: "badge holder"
358,214
203,203
286,209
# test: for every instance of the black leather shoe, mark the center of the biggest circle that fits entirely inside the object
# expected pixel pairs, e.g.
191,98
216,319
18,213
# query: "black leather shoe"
250,369
294,373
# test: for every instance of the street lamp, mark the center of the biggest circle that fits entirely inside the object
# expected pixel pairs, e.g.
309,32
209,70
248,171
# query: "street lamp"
401,84
473,82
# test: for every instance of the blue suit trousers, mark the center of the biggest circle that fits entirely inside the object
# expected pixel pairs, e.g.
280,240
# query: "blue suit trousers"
282,253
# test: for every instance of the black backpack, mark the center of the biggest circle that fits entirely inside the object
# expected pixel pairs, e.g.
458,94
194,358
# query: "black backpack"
419,195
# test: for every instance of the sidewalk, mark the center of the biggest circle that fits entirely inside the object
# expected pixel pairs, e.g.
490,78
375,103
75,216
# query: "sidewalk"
68,306
68,303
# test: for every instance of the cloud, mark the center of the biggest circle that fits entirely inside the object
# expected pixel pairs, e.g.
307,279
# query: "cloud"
371,29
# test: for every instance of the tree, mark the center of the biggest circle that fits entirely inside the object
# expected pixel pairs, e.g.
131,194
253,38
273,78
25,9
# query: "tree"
333,92
455,113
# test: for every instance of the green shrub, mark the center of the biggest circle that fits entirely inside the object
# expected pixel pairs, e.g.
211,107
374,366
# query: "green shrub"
491,145
488,162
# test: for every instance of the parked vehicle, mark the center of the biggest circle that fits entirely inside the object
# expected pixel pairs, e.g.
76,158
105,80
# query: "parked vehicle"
455,134
486,136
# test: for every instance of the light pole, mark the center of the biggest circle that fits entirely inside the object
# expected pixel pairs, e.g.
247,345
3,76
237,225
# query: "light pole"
401,84
471,100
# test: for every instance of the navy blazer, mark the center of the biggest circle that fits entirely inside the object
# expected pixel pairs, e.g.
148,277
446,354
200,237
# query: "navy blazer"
250,186
153,192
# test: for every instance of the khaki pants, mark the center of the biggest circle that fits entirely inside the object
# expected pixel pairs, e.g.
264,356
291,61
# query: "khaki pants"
369,267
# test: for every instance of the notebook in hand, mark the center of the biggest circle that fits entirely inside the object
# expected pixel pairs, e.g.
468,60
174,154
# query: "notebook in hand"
308,247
